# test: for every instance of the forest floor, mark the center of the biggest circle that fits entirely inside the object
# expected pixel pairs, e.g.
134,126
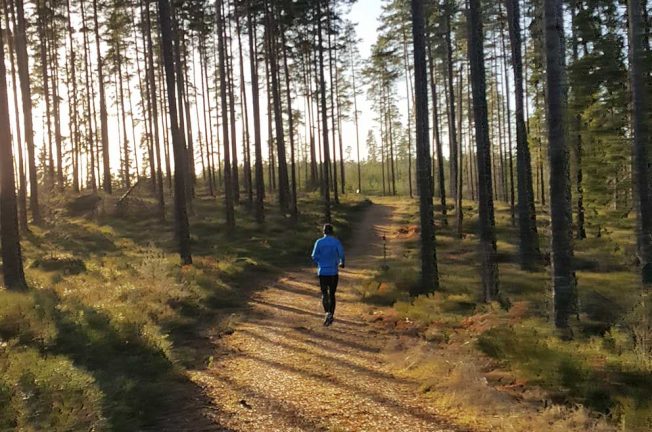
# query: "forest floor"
274,367
279,369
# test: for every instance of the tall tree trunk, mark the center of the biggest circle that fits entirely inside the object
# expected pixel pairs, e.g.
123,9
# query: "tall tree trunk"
272,52
187,154
527,222
245,117
294,211
356,119
181,211
640,165
255,100
208,118
410,96
459,212
45,78
106,184
22,184
577,134
429,271
26,98
12,261
438,146
563,277
452,133
228,187
90,105
153,96
73,103
231,90
490,283
324,115
331,74
508,117
56,108
126,163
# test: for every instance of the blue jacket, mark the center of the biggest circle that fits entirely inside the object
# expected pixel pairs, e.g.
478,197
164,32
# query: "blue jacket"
328,254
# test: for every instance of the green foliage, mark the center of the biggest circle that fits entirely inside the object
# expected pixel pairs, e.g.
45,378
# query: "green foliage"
26,318
47,393
588,372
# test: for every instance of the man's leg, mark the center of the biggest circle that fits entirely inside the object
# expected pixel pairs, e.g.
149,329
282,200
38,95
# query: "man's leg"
325,298
333,289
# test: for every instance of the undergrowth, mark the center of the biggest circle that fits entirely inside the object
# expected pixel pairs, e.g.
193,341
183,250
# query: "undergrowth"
98,342
606,370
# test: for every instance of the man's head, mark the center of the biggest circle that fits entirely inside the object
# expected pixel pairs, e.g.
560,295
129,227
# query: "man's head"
328,229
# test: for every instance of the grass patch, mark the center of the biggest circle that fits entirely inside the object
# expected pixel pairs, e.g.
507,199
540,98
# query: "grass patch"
605,369
102,339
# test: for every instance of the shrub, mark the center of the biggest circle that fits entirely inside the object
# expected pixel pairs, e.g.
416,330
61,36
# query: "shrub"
47,394
27,318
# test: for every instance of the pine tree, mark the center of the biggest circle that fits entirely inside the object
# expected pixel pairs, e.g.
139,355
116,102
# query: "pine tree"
563,278
429,271
640,144
180,176
490,283
528,237
12,262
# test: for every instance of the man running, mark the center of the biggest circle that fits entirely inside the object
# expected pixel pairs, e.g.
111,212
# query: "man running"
328,254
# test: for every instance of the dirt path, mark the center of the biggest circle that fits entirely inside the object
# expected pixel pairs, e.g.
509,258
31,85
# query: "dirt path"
281,370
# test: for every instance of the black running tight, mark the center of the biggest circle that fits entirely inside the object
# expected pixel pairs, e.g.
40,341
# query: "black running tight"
328,286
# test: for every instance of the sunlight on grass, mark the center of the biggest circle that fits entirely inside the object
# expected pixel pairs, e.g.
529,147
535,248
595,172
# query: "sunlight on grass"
605,369
102,339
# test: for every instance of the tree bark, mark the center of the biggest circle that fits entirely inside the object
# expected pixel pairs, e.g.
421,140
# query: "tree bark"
106,184
527,218
180,176
438,146
324,115
22,186
563,278
429,271
452,133
640,165
488,250
228,187
12,261
255,100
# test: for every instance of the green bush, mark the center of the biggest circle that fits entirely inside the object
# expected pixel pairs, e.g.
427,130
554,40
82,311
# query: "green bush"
47,394
27,318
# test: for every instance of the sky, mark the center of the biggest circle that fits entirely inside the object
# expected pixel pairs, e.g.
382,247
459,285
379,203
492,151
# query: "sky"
365,13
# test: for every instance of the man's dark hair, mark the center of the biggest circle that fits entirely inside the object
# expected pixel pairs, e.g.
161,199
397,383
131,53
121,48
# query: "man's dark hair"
328,229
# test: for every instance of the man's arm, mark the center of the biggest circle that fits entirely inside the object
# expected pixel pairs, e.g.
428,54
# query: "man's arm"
315,252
